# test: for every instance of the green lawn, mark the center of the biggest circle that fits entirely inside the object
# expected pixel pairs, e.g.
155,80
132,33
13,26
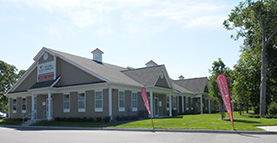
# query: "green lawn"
204,121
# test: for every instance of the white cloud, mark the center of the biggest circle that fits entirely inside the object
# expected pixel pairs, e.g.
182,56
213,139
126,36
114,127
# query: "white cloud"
137,16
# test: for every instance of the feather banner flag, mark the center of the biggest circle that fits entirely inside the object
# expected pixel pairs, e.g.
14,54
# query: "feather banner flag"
146,103
222,83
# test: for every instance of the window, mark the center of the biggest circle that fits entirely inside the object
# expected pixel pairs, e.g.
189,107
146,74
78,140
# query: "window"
23,110
174,102
81,102
14,105
121,101
134,102
187,103
98,101
167,103
66,103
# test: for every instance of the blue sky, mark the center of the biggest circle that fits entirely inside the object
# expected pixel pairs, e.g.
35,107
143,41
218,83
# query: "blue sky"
186,36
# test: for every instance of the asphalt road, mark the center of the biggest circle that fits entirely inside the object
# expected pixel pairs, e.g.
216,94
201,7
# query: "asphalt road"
25,135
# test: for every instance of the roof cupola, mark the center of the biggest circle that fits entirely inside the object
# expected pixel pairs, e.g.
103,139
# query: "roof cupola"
97,55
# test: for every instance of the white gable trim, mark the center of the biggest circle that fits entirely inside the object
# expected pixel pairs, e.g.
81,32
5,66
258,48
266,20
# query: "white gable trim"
69,61
24,76
164,72
41,52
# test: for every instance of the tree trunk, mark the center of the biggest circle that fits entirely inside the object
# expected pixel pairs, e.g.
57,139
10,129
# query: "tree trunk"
263,75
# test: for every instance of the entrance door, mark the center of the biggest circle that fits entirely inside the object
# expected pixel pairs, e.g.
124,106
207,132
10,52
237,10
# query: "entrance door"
156,106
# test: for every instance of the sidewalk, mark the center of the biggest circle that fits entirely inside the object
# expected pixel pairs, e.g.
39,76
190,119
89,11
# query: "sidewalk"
269,128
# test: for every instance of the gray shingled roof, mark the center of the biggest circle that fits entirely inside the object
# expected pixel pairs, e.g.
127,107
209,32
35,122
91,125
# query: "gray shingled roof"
107,71
146,76
182,89
43,84
196,85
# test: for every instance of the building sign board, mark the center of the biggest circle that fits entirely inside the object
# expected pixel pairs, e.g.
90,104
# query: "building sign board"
46,70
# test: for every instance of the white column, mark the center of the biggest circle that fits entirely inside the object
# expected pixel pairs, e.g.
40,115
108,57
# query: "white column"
209,106
33,107
151,102
110,103
170,106
183,105
49,107
201,102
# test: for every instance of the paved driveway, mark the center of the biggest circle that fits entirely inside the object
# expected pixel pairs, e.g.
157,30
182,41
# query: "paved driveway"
25,135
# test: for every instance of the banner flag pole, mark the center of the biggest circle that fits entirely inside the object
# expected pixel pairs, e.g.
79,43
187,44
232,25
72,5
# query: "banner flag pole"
146,103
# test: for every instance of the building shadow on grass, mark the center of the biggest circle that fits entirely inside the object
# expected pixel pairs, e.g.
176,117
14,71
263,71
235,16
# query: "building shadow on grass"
242,121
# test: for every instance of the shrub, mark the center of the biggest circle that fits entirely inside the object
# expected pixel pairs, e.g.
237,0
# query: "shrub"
118,118
98,119
58,119
272,108
84,119
13,119
134,117
124,118
90,119
107,119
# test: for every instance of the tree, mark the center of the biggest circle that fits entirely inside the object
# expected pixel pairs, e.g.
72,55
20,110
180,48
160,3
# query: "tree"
256,21
218,68
8,77
246,79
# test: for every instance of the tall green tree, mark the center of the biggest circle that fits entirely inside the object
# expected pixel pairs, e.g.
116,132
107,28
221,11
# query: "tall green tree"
246,75
218,67
8,76
256,21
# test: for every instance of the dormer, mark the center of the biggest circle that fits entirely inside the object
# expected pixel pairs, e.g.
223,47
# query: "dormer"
151,64
181,77
97,55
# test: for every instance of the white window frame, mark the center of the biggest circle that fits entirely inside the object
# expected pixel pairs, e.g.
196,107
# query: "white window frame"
14,105
134,107
167,103
121,109
98,109
65,109
22,104
82,109
174,102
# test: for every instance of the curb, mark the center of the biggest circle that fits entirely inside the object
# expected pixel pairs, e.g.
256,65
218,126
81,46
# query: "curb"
137,130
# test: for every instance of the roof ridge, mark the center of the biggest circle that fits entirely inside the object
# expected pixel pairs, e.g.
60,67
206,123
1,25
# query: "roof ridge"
142,68
82,57
191,78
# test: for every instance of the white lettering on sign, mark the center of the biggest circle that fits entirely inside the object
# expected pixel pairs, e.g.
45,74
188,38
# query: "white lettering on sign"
46,68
